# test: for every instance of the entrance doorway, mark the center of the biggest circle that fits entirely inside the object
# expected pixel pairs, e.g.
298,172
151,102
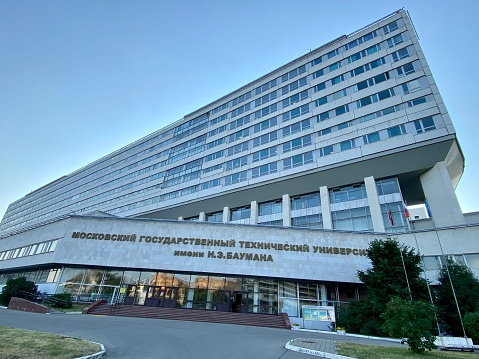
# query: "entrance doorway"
151,296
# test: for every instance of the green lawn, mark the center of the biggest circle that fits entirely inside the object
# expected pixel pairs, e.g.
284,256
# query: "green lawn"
360,351
19,344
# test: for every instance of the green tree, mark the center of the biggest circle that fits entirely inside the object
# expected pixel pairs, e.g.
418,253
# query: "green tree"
413,322
471,322
466,287
14,288
386,278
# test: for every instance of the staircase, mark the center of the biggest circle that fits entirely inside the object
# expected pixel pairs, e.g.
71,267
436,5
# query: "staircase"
259,320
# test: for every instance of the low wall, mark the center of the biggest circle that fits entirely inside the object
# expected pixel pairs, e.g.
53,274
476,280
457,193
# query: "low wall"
26,306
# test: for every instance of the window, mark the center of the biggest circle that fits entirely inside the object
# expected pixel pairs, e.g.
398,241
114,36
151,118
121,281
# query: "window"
396,131
266,153
357,219
265,169
387,186
270,208
321,101
332,53
265,87
214,156
341,110
318,73
393,41
298,111
265,98
210,184
390,27
417,101
316,61
238,135
371,137
411,87
218,142
265,138
424,125
240,110
213,168
297,143
266,111
294,85
334,66
218,119
236,177
241,98
293,73
295,98
298,160
237,162
296,127
238,148
265,124
337,79
400,54
320,87
323,116
305,201
311,221
239,122
325,131
240,213
347,145
349,193
215,217
216,131
405,69
327,150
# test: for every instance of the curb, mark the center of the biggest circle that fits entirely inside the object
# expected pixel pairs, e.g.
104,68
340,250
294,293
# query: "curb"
317,353
100,354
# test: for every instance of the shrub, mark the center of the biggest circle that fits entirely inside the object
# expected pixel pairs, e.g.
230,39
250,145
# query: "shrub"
61,300
15,287
413,322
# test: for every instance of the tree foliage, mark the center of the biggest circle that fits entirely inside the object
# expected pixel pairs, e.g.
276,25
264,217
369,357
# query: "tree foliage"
14,288
386,278
61,300
413,322
471,322
466,287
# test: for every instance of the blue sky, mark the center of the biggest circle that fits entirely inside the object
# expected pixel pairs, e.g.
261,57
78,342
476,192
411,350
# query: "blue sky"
81,79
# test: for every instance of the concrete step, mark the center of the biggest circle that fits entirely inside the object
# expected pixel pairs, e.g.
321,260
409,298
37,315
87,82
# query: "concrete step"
262,320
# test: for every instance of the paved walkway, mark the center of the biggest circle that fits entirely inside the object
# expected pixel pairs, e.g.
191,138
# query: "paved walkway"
317,347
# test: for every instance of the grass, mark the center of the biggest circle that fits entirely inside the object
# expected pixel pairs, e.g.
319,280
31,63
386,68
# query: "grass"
75,308
19,344
361,351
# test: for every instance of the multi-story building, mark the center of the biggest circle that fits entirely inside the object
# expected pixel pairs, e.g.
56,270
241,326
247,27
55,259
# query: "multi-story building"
340,138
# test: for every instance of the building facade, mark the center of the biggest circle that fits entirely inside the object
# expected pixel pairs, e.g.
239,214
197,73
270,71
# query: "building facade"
336,141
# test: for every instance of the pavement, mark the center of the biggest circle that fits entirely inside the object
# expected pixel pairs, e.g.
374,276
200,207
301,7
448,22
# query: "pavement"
155,338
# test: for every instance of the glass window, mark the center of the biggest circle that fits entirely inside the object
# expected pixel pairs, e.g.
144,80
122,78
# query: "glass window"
240,213
371,137
270,208
347,145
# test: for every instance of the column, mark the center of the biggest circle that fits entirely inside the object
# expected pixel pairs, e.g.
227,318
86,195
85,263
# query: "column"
226,214
439,192
202,217
325,207
374,205
253,216
286,205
